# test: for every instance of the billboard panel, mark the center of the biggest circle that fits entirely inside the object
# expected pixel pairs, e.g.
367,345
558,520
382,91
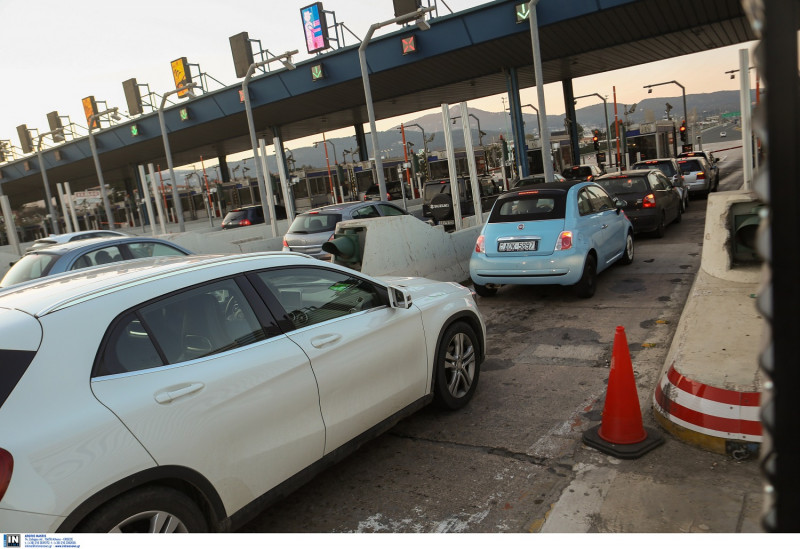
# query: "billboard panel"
181,75
89,109
315,27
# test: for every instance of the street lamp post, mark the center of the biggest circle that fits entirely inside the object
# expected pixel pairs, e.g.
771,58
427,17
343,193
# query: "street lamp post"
325,142
106,204
650,87
480,132
419,17
544,131
175,197
286,60
50,209
605,112
424,142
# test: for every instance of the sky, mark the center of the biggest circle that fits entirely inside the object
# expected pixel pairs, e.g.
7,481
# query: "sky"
57,52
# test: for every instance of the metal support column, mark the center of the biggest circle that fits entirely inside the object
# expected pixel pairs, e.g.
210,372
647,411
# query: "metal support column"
518,126
569,109
361,142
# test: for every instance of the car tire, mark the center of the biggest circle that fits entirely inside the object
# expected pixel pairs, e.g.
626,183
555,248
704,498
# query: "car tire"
628,254
457,367
587,285
484,291
153,509
661,230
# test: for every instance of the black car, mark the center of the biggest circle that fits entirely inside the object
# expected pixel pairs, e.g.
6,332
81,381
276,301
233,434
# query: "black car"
582,173
249,215
393,192
437,204
652,204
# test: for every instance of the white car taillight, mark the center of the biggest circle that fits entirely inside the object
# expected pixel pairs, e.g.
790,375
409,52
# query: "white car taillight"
564,241
480,245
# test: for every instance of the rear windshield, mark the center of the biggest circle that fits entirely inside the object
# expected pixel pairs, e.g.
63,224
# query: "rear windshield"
624,185
31,266
577,171
315,223
235,216
432,189
690,166
530,206
667,168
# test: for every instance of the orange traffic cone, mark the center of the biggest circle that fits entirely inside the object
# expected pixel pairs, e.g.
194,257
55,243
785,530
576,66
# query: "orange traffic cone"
621,433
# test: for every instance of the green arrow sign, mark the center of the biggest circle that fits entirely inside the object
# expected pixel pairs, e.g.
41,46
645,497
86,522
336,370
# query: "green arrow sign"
316,72
522,12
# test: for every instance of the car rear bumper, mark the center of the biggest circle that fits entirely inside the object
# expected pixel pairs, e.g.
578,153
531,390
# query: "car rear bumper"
564,268
644,221
698,187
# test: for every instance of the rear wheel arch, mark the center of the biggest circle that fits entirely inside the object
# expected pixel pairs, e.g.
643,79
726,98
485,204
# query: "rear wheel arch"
182,479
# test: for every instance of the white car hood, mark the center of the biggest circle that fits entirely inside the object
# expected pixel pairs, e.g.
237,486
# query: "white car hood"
420,287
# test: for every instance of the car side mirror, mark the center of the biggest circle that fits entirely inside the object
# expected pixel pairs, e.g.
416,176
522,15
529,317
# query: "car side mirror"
619,203
399,298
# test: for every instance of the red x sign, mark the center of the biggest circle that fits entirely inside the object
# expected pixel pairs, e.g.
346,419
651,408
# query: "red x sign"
409,44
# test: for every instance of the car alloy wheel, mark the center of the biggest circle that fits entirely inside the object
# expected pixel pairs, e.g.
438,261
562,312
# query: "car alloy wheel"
151,510
627,255
457,366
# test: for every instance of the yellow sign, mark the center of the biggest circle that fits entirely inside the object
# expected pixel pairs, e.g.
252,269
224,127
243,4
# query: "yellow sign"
181,75
90,109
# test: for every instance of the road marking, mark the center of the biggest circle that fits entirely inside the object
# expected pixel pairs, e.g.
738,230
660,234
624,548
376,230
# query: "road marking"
581,501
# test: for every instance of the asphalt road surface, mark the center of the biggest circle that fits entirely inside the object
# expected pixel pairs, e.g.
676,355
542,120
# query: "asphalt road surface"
513,460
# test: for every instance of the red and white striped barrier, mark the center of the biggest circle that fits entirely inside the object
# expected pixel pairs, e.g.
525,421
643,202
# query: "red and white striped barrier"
730,415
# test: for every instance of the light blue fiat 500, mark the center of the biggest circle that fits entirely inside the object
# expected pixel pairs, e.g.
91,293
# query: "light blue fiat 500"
551,233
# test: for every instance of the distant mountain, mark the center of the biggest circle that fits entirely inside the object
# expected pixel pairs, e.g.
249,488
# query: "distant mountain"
495,124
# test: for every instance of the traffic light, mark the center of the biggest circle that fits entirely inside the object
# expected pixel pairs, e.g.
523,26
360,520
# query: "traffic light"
596,140
345,247
683,131
340,173
505,149
415,162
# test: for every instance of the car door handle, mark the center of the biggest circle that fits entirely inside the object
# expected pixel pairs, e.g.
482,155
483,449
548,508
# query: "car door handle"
604,226
165,397
324,340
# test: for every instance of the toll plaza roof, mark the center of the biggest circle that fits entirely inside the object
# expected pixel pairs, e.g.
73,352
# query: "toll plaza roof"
462,57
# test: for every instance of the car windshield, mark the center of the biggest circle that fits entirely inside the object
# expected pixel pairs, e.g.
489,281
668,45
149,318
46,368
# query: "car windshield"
318,222
530,206
31,266
624,185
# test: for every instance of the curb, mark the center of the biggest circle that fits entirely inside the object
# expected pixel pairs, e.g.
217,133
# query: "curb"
718,420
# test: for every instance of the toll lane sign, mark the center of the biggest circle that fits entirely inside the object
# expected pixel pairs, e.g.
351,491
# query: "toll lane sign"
409,45
522,12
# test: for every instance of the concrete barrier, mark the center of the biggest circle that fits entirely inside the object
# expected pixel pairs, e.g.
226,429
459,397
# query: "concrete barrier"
718,238
406,246
709,390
